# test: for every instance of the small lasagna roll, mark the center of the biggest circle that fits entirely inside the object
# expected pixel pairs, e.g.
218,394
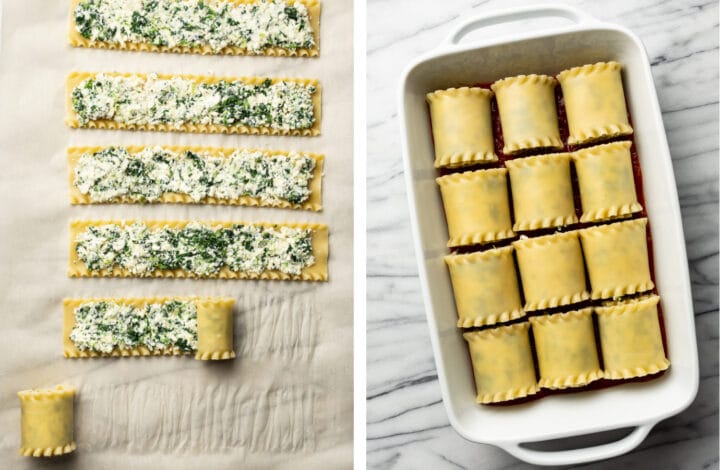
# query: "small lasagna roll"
485,286
477,206
502,363
551,270
47,421
542,192
214,329
462,126
606,181
566,350
617,258
594,102
528,116
630,339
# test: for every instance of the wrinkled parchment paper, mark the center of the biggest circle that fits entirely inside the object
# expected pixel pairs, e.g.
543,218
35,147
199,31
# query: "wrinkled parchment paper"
286,401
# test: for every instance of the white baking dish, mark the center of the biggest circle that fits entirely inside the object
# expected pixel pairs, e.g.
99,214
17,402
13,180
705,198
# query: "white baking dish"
549,50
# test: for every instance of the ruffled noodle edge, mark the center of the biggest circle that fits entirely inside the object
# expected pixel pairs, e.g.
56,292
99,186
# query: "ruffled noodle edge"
535,143
479,238
214,355
611,212
521,80
560,318
589,69
638,371
46,394
602,150
529,243
553,302
613,292
512,394
498,332
490,319
602,230
600,133
459,91
571,381
47,451
540,160
471,176
562,221
460,159
472,258
628,306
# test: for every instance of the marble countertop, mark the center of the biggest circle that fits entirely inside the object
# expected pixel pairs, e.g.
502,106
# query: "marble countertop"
407,424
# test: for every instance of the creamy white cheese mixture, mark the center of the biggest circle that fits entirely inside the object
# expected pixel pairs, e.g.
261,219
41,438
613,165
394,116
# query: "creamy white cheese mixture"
104,326
197,23
284,105
199,248
114,172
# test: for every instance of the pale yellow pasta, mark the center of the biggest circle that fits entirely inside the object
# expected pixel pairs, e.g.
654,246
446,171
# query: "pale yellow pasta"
594,102
631,339
485,286
214,319
551,270
502,363
606,181
566,351
616,256
476,206
528,117
542,192
313,7
462,126
47,421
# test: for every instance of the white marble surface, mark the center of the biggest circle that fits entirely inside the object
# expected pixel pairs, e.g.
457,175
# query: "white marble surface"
407,424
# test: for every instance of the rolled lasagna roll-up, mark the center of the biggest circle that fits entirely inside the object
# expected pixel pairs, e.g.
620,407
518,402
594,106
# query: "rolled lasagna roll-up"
47,421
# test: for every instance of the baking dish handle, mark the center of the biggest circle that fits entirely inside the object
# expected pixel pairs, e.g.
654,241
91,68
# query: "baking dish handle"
577,456
516,14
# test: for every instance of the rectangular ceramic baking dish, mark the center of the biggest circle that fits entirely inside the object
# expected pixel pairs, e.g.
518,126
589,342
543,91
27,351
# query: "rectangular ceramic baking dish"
550,49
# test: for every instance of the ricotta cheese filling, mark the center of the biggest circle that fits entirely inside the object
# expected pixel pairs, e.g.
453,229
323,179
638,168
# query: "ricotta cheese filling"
147,175
197,23
104,326
198,247
284,105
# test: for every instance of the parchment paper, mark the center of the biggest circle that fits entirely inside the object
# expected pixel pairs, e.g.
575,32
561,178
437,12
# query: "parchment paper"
286,401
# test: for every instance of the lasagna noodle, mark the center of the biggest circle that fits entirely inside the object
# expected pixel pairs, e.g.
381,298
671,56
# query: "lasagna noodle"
566,350
462,126
75,78
313,203
631,339
542,192
485,287
594,102
551,270
606,181
617,258
502,363
214,317
313,8
315,272
47,421
528,117
476,206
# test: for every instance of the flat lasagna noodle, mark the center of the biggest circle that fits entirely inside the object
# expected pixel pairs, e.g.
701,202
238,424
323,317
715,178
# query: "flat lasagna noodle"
617,258
47,422
313,203
462,126
476,206
214,320
594,102
528,117
606,181
566,351
551,270
542,192
631,340
313,7
502,363
485,286
316,272
75,78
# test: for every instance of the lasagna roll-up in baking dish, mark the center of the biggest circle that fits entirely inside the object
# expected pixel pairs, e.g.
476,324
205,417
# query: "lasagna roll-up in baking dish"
541,192
477,206
594,102
606,181
566,350
47,421
528,116
502,363
617,258
631,339
551,270
462,126
485,287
